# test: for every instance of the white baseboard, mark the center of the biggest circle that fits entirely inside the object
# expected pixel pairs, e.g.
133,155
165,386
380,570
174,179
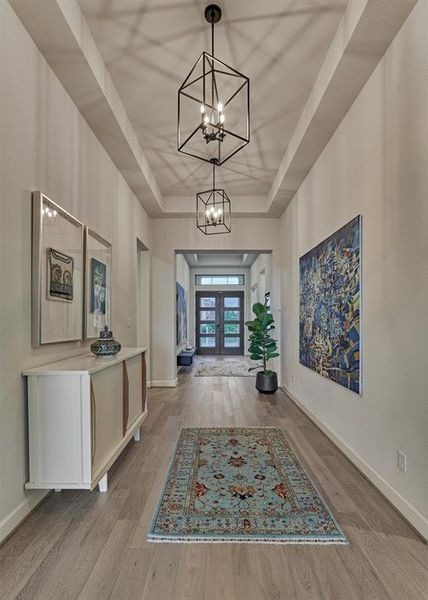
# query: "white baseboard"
18,514
409,512
164,383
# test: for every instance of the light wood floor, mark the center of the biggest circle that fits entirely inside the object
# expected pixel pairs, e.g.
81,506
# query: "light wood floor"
93,546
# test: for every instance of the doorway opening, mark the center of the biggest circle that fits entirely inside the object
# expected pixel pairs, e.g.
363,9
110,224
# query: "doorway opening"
218,290
143,303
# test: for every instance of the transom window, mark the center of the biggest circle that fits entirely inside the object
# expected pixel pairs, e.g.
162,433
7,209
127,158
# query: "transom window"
219,279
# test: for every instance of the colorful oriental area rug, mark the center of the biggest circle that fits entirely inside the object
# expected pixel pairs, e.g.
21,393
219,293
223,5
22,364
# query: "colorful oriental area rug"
241,484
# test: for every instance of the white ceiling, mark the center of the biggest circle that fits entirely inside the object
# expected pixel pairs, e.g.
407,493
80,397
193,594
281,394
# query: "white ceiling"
149,47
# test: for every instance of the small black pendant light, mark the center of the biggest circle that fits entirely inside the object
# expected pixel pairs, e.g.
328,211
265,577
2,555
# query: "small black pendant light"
213,214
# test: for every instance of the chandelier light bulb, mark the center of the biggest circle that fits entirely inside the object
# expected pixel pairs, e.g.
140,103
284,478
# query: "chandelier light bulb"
202,108
212,209
219,107
222,118
206,119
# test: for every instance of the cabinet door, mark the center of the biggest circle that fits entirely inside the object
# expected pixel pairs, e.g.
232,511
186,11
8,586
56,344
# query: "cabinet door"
107,410
134,389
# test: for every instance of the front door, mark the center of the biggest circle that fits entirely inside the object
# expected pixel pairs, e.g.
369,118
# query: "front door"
220,322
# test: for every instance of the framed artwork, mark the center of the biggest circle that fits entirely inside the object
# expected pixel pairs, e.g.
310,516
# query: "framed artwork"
98,263
98,287
181,332
329,315
57,273
267,299
60,276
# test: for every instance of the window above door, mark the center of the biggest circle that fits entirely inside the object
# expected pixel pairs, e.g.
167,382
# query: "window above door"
219,279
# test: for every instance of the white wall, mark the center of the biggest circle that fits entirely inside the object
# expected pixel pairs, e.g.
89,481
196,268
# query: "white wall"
170,235
182,276
261,276
46,145
375,165
219,288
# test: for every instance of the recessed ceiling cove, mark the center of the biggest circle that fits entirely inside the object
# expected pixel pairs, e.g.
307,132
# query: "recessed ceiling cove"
148,46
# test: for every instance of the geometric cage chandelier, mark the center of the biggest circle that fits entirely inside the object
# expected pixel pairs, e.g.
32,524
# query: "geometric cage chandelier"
213,212
213,106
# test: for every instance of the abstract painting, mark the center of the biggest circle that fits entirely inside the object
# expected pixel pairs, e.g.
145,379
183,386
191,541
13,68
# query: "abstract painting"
98,286
60,276
330,307
181,315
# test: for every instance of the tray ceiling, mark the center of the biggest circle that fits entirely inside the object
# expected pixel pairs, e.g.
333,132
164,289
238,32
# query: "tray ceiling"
150,46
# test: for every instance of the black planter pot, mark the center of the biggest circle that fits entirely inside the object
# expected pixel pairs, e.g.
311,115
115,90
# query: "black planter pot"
266,384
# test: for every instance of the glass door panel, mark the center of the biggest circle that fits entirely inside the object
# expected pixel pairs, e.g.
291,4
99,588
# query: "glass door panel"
207,302
207,323
207,315
232,323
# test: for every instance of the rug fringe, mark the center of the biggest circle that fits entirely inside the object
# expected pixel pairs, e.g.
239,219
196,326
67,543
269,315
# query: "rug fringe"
161,540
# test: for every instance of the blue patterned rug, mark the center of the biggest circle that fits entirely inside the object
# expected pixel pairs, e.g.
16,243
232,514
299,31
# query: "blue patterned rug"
240,484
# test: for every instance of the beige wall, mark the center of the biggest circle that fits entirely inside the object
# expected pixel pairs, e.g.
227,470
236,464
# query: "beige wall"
375,165
46,145
170,235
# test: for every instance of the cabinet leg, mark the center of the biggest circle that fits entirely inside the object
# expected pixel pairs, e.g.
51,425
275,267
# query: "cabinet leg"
137,435
102,484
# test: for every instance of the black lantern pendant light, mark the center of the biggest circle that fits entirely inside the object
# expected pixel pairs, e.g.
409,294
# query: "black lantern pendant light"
213,210
213,106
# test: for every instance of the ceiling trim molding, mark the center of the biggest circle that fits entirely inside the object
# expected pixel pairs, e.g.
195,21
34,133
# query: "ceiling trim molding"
366,30
60,31
242,206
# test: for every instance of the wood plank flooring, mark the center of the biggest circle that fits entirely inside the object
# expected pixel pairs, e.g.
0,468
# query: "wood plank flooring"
92,546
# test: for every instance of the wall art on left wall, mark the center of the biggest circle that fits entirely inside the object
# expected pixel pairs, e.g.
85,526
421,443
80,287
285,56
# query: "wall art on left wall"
57,273
181,325
60,276
98,269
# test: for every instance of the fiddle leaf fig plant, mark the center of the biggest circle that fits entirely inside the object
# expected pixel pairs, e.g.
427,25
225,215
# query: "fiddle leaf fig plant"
262,346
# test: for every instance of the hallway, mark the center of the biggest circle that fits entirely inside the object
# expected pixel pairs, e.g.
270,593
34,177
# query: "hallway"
80,545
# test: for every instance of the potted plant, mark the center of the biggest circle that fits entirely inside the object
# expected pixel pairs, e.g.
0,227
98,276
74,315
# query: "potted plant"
263,347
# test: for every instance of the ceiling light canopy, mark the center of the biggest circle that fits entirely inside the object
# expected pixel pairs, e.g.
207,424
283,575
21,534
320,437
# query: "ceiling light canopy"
213,106
213,210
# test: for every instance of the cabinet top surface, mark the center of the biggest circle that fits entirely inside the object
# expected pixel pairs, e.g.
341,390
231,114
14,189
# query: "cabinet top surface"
84,364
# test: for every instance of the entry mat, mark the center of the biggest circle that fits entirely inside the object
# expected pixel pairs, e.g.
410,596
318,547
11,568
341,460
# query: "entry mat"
227,367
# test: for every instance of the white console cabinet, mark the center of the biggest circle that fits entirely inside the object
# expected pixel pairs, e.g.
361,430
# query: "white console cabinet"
82,412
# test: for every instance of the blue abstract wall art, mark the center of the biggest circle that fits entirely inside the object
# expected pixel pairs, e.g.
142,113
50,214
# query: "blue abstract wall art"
181,315
330,307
